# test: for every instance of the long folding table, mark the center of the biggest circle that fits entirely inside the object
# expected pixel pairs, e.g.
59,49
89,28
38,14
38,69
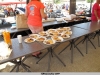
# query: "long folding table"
76,33
91,27
46,25
24,49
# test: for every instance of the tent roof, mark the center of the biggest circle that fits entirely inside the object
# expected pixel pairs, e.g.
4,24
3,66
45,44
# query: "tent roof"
8,3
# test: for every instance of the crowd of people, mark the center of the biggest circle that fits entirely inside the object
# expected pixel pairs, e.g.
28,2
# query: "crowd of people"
8,11
54,10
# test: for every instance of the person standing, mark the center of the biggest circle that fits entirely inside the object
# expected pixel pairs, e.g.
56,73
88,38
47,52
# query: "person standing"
34,13
96,11
5,12
67,7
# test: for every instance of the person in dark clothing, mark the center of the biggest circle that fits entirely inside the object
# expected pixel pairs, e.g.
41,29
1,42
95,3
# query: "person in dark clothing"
6,12
52,14
16,12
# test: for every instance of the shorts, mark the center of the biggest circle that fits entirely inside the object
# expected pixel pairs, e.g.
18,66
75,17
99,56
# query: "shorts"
35,29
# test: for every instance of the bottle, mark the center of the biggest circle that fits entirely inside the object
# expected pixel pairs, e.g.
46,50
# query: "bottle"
7,39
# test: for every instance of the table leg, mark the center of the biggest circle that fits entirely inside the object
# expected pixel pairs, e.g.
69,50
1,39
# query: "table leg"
49,61
72,44
72,52
79,42
25,68
86,46
50,52
13,35
86,38
64,48
42,57
98,41
47,53
17,68
14,68
20,63
58,58
97,34
91,42
78,49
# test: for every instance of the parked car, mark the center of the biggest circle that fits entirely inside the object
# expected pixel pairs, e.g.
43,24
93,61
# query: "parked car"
2,14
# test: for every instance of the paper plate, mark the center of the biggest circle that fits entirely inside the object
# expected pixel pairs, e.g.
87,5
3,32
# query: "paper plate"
29,40
34,36
43,33
49,42
41,39
65,36
57,38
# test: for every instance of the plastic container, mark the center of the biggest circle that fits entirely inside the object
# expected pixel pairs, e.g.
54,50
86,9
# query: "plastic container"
7,38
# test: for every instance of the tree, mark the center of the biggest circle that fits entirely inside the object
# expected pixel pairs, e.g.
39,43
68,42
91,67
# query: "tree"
89,1
56,1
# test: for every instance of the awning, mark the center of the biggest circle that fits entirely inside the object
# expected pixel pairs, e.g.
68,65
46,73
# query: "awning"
8,3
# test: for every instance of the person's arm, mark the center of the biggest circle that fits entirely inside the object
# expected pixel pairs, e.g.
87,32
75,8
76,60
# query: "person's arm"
43,14
26,13
95,12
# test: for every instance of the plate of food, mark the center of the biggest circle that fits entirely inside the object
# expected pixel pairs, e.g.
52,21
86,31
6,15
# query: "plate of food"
51,30
60,30
34,36
68,32
67,28
29,40
65,36
41,39
76,20
53,33
57,38
43,33
49,42
82,16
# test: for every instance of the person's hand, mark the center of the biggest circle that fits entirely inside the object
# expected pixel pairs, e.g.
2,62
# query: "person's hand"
98,20
45,17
